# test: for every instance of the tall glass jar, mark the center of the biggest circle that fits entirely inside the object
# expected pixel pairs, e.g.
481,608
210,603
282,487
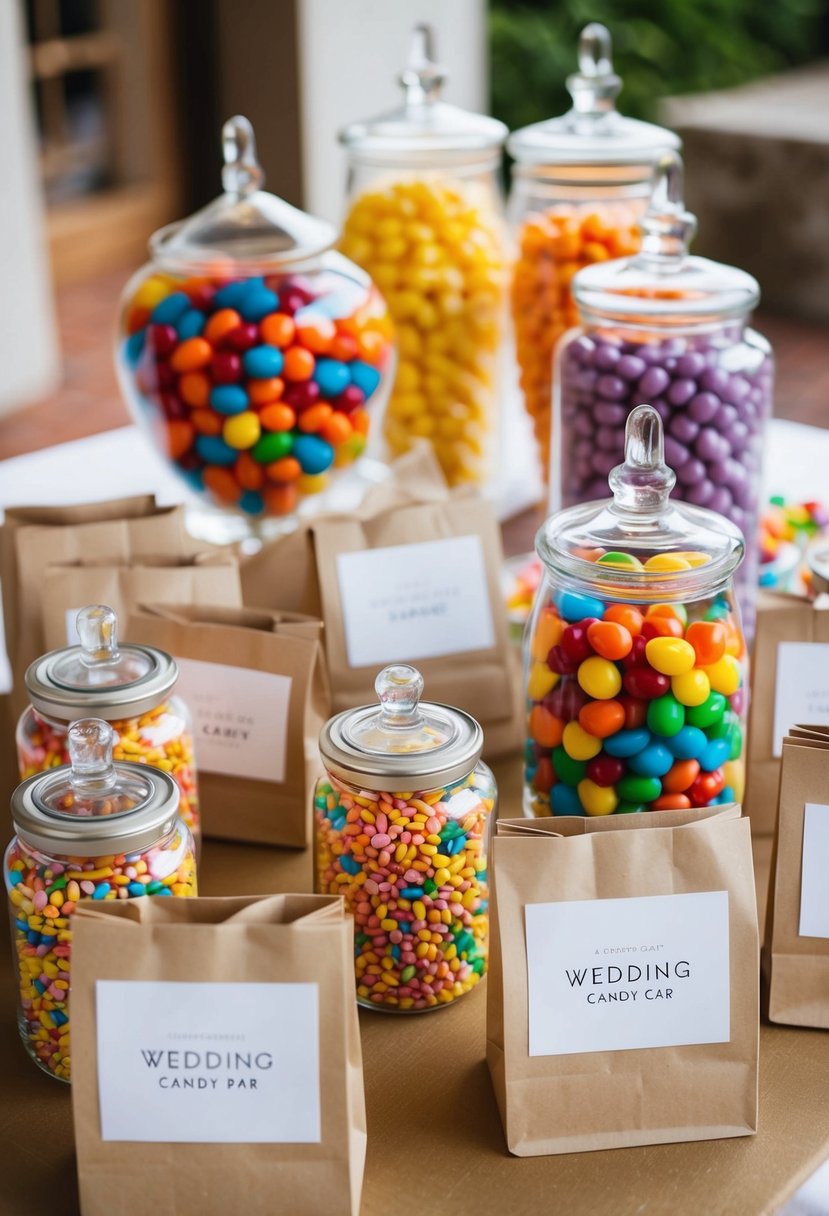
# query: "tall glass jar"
130,686
579,184
424,220
403,819
670,329
251,351
92,831
636,674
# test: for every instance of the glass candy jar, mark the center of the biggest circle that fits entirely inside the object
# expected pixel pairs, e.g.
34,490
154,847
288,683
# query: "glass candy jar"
249,349
579,184
635,663
403,818
130,686
670,329
424,219
97,831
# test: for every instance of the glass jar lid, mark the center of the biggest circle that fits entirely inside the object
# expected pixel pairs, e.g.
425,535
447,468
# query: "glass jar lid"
640,544
424,128
92,807
405,744
99,678
246,226
663,284
593,132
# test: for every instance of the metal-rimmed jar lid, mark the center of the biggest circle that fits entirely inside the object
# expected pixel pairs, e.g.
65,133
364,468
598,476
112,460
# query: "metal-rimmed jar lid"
405,744
93,807
98,678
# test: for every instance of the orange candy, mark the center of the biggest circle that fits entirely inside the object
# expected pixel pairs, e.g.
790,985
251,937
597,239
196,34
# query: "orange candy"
263,392
708,639
281,499
220,324
299,364
286,469
206,422
180,436
546,729
664,627
602,718
344,347
544,778
627,615
277,417
192,355
249,473
671,802
319,336
194,389
337,429
315,417
222,484
680,777
360,421
609,639
278,329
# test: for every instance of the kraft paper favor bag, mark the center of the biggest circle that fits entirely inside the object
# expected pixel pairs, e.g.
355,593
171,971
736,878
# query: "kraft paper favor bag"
622,998
256,684
204,578
412,576
216,1058
790,683
797,919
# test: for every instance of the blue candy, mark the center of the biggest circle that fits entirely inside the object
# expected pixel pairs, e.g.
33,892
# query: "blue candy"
411,892
214,450
314,454
136,888
652,761
627,742
134,346
364,376
257,302
231,295
228,399
565,800
332,376
263,362
716,753
687,744
252,502
13,877
102,890
575,607
725,795
190,324
170,309
349,864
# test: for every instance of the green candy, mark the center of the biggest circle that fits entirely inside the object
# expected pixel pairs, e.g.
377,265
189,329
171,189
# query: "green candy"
705,715
736,742
717,611
629,808
568,770
666,716
272,447
430,886
626,560
408,973
632,788
723,728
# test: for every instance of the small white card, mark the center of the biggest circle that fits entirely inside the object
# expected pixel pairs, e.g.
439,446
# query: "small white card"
814,887
415,601
208,1063
802,688
619,974
240,718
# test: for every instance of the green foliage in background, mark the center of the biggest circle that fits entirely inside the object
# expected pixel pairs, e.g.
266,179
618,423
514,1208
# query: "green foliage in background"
660,48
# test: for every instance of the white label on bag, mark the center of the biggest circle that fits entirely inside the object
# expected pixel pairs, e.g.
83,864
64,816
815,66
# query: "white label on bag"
619,974
240,718
208,1063
802,688
814,889
415,601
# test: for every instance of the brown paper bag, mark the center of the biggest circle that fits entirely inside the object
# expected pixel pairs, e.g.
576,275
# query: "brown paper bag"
780,619
205,578
271,727
575,1063
797,913
310,1131
394,582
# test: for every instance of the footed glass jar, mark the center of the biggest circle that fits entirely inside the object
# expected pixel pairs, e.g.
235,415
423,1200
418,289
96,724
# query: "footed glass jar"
250,350
636,671
425,220
95,830
403,820
580,182
670,329
130,686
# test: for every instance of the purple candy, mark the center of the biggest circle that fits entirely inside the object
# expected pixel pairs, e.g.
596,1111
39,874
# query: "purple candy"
611,386
675,453
681,391
711,445
691,365
683,428
703,407
630,367
700,494
606,356
692,471
654,382
714,380
720,500
610,414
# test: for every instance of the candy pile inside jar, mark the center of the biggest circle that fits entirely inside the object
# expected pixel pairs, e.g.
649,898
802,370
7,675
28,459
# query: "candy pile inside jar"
140,848
635,700
412,868
129,683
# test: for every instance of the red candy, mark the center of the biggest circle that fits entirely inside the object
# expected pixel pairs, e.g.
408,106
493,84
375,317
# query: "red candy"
574,640
646,683
636,711
706,787
605,770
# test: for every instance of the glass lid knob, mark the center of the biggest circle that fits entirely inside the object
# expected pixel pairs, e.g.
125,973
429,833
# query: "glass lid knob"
242,174
595,87
90,755
423,77
399,689
667,228
641,486
97,627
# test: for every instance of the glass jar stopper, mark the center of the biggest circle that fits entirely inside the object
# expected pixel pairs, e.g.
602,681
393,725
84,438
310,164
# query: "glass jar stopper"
595,87
97,627
641,486
399,689
242,174
89,742
423,77
667,228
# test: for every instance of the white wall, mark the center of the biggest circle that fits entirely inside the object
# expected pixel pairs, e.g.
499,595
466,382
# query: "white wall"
29,365
350,54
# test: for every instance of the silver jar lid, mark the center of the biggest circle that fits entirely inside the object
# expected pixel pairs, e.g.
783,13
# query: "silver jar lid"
98,679
92,806
405,744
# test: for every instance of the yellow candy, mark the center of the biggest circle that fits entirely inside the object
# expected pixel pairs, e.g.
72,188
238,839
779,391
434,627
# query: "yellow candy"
541,681
734,772
151,292
312,483
724,675
692,687
670,656
578,744
600,678
597,799
667,563
242,430
694,558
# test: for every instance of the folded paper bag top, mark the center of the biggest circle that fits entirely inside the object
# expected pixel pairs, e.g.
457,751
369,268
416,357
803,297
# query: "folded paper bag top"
623,1001
217,1047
